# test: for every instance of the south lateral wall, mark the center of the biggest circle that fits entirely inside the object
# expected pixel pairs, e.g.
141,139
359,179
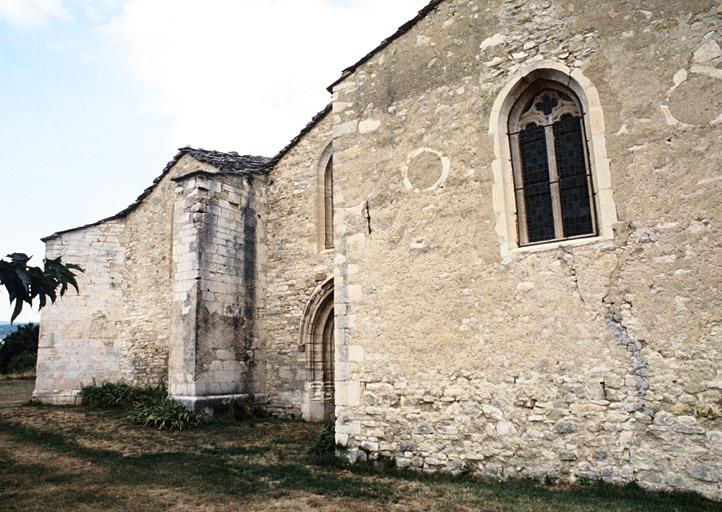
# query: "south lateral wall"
599,360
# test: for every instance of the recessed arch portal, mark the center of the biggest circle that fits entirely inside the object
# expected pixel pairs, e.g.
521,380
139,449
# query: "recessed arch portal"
317,340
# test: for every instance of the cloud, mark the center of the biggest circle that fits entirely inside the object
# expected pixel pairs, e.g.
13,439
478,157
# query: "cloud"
246,75
32,13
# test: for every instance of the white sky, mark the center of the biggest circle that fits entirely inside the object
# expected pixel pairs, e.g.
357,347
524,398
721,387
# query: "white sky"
95,96
245,75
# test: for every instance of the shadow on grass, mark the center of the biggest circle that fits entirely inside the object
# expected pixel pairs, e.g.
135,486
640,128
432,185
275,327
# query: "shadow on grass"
213,470
23,487
593,496
233,472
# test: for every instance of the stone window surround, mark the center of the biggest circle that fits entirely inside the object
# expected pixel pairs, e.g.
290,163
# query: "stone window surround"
323,161
504,201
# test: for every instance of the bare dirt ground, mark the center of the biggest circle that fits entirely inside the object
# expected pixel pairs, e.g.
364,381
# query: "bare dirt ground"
73,458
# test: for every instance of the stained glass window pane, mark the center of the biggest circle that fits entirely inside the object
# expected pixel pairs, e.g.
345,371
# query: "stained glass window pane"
537,191
573,183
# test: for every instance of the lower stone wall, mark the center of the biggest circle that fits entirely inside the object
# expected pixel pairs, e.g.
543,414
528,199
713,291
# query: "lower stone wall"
539,425
555,366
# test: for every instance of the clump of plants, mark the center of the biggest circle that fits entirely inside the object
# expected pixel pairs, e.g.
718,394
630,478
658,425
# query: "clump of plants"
166,414
120,395
326,442
149,406
323,451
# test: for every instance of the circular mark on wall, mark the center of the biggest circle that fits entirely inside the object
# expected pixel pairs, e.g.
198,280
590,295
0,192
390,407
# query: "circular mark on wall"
697,100
425,170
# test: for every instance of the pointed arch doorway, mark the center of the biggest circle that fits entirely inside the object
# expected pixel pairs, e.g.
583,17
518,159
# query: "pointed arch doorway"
317,338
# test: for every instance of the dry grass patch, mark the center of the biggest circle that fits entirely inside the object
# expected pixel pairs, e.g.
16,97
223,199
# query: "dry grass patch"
72,458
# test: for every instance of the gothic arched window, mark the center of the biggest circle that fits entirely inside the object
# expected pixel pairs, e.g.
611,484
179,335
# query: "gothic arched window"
328,205
553,185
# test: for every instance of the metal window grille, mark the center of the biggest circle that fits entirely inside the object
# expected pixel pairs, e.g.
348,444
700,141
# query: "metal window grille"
552,177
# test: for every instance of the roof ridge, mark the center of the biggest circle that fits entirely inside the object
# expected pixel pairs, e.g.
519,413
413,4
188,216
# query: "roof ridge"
228,161
191,149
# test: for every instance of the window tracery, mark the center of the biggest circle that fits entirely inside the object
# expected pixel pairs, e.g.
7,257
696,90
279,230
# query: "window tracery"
552,176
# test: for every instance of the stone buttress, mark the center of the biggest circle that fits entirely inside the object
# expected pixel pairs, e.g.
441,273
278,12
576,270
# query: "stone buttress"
218,228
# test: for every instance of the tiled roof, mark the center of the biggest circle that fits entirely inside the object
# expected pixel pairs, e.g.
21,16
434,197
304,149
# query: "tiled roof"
228,162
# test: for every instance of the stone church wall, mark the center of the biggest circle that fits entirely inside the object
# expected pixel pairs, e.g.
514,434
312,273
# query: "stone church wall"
295,265
117,328
80,334
598,360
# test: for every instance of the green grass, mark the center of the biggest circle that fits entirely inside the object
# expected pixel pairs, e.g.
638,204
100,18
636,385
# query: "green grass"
72,458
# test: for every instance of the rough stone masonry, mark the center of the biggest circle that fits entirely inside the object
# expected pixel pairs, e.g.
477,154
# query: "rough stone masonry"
432,331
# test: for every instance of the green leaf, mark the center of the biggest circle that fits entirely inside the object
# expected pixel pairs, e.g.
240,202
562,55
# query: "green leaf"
16,311
24,283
